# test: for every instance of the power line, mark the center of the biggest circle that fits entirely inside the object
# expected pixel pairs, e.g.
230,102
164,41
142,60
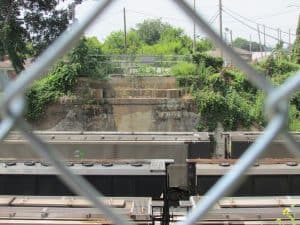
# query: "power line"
210,21
252,21
213,18
251,27
274,14
155,16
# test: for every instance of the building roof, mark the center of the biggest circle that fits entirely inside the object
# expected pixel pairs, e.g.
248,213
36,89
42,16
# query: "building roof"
7,65
217,52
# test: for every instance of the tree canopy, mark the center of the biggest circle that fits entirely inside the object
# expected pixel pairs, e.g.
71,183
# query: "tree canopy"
153,37
245,44
27,27
150,31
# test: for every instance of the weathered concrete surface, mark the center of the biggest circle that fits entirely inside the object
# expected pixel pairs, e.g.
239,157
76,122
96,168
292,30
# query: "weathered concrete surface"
161,115
78,145
123,104
77,117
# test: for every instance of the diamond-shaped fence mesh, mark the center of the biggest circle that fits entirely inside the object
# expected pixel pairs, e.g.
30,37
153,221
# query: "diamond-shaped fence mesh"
12,107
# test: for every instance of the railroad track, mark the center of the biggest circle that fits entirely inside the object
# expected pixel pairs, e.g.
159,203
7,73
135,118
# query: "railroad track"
76,210
150,178
69,210
179,165
178,146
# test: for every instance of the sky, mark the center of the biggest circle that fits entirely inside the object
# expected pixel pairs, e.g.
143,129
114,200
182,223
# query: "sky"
240,16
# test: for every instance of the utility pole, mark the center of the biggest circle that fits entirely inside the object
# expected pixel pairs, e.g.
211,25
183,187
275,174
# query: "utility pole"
279,35
290,47
221,23
259,39
265,40
125,34
230,33
73,12
289,38
250,44
194,37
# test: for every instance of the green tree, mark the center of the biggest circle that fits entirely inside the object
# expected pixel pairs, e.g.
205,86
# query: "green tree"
150,31
153,37
60,81
89,55
149,37
85,59
296,46
29,21
245,44
204,45
114,43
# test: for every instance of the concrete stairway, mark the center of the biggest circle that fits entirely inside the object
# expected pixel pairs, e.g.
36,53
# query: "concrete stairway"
123,103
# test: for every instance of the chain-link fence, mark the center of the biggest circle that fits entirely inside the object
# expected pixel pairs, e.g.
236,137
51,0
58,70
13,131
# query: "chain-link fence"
13,104
140,64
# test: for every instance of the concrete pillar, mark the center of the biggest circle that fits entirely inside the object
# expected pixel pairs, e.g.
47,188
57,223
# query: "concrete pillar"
220,142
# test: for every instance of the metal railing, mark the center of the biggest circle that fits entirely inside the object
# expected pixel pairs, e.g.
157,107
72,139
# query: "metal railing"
140,64
13,104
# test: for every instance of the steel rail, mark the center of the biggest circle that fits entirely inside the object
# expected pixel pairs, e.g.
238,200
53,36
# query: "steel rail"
228,183
11,112
76,183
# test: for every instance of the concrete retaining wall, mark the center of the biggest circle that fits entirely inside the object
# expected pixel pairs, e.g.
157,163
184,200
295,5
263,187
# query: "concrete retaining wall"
123,104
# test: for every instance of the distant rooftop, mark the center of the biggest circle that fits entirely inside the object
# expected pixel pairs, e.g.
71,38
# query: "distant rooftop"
7,65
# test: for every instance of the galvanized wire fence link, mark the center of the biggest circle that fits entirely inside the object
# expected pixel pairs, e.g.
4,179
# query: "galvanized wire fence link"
12,106
140,64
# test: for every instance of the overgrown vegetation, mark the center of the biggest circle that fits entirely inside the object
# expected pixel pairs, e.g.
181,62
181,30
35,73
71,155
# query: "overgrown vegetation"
225,96
63,77
89,55
245,44
59,82
296,46
218,97
153,37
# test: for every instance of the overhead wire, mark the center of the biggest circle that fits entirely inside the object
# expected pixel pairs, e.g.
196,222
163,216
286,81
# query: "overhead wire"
252,21
155,16
210,21
251,27
213,19
274,14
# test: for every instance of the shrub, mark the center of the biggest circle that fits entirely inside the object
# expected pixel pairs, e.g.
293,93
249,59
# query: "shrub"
226,97
89,55
210,107
215,63
257,109
232,110
184,68
238,80
273,67
144,70
294,119
191,76
204,45
59,82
